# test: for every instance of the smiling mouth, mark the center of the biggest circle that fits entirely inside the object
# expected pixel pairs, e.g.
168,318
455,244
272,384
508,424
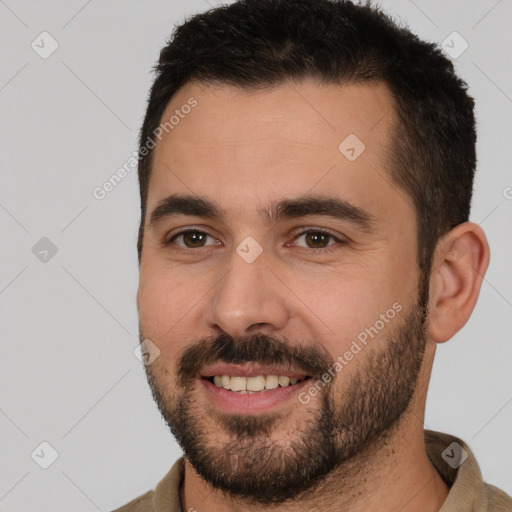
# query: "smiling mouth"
254,384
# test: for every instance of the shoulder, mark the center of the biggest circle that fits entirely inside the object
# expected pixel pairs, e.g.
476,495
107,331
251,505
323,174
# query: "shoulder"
166,495
457,465
497,500
143,503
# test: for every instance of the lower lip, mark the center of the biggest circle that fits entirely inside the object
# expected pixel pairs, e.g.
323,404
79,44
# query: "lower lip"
232,402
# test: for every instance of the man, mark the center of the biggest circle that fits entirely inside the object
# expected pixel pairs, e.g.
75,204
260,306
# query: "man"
306,176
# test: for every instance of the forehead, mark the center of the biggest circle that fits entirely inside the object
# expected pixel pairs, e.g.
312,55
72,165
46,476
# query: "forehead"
243,147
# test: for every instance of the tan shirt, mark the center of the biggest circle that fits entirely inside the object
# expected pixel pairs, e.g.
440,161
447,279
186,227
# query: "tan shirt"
468,492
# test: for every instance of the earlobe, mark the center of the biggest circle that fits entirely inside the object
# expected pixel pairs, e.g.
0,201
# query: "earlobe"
460,261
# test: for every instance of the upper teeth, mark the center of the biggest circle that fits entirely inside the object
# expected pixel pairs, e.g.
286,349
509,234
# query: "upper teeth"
258,383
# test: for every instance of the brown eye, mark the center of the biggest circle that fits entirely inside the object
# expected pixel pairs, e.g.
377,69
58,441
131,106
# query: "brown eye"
317,239
190,239
194,239
319,242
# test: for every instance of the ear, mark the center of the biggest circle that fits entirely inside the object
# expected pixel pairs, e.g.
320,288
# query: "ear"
460,261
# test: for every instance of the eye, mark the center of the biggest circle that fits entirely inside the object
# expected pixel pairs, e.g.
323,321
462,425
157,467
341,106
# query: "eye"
318,239
312,238
191,239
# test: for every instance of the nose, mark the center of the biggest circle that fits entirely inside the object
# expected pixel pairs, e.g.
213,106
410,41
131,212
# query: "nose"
247,299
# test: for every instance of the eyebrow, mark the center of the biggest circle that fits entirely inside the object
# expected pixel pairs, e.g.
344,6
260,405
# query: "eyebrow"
334,207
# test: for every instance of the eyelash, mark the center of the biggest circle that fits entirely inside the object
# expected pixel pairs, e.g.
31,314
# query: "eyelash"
323,250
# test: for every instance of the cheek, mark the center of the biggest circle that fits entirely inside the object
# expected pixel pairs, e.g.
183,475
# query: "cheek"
160,310
347,307
340,297
162,300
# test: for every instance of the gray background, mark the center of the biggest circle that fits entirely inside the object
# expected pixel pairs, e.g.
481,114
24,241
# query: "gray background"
68,374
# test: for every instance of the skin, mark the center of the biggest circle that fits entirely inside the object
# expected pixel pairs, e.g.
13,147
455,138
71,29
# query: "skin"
243,150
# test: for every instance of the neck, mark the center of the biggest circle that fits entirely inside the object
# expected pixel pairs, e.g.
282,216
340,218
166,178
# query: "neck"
392,474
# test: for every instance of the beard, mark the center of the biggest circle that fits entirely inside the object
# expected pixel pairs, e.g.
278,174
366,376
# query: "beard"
240,455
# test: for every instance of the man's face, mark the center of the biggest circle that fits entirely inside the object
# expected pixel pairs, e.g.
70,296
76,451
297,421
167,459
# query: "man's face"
299,291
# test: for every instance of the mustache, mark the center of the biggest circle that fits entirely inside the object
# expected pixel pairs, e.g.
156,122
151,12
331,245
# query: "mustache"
313,360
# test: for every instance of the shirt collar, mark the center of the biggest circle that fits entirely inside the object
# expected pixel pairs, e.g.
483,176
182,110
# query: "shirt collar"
451,457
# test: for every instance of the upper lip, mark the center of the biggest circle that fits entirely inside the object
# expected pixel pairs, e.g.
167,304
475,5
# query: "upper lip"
249,370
